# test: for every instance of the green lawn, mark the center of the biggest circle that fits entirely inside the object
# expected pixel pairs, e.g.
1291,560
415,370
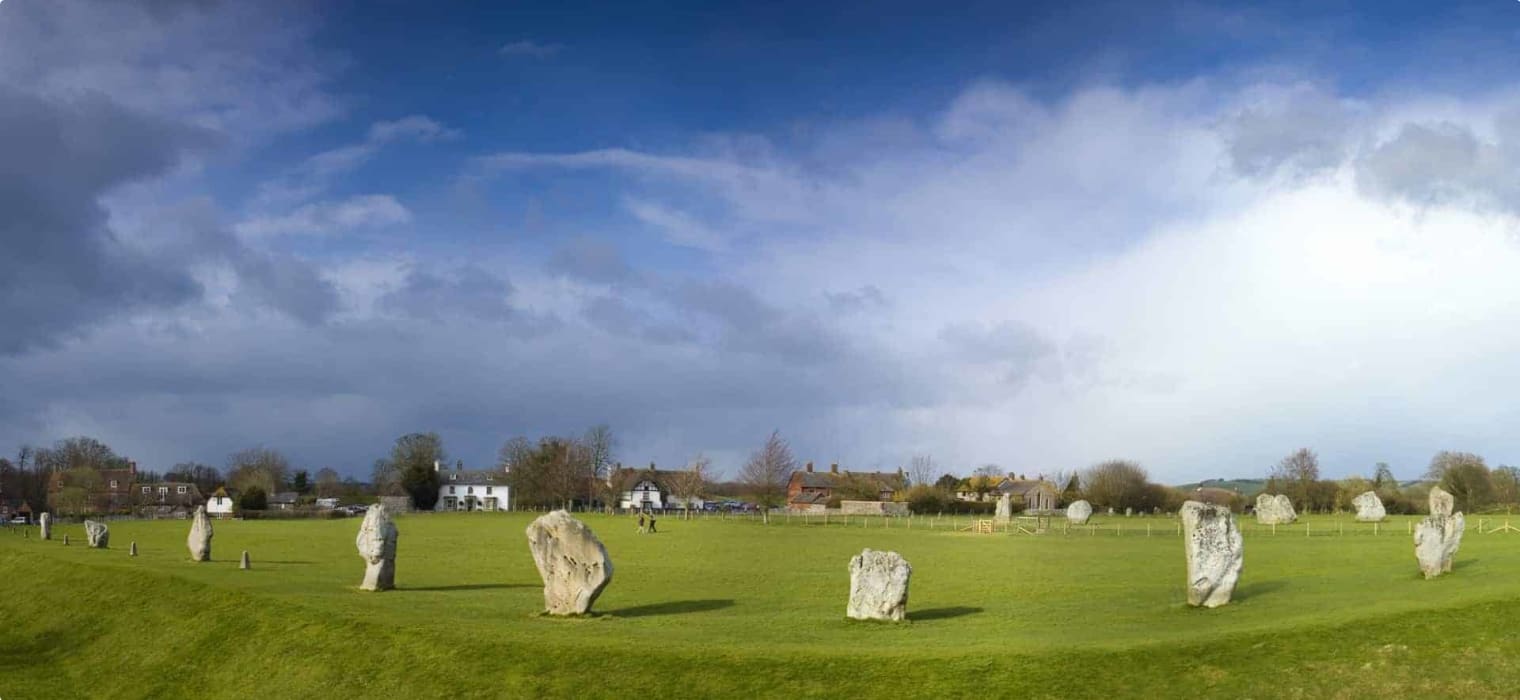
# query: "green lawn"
730,606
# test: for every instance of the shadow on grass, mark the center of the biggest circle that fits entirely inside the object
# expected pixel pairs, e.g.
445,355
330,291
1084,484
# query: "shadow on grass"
1256,588
1461,564
279,561
468,587
675,607
942,613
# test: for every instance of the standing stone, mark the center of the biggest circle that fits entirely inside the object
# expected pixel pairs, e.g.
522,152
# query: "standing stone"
571,560
1441,502
1369,508
200,536
132,549
878,586
1004,509
1129,512
1274,510
1439,535
65,539
1215,553
97,535
377,544
245,564
46,525
1078,512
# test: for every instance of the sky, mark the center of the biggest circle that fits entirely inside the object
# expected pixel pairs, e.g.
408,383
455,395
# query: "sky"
1037,235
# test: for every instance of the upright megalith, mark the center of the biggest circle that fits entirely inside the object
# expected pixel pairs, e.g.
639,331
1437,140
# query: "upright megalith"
1369,508
45,526
1274,510
1439,535
571,560
1004,511
97,535
245,564
1078,512
132,549
200,536
377,544
878,586
1215,553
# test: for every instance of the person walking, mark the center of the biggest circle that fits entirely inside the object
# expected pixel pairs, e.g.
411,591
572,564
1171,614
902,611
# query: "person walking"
651,523
641,523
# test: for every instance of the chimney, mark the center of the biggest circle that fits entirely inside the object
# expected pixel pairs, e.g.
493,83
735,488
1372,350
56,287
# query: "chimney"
834,468
435,465
809,467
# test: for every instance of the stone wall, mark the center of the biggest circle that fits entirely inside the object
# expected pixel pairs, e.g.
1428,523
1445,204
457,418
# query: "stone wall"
872,508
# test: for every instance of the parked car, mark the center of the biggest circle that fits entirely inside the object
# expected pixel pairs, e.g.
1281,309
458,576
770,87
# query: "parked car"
18,520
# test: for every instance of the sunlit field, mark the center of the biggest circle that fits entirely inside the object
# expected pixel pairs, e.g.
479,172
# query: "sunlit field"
1326,608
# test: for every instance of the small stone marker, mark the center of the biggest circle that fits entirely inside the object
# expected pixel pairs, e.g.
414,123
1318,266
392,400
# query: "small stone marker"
1369,508
377,544
245,564
97,535
1078,512
46,525
1438,536
132,549
572,562
200,536
65,539
1274,510
1215,553
878,586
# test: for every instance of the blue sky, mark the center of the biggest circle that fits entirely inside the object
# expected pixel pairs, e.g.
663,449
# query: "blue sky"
1036,235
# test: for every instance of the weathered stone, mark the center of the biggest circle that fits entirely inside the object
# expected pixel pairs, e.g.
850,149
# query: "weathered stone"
97,535
377,544
1078,512
245,563
1441,502
1369,508
132,549
1215,553
1274,510
1004,509
45,525
200,536
571,560
878,586
1436,539
65,539
1129,512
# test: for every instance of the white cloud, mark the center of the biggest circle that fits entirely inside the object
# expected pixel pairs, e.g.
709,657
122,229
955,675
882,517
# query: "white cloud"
330,218
526,47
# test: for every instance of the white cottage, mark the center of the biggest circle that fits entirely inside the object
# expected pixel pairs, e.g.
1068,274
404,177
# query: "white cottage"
220,504
650,490
472,489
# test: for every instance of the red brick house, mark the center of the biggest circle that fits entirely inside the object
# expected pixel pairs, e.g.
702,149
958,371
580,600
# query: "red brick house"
813,490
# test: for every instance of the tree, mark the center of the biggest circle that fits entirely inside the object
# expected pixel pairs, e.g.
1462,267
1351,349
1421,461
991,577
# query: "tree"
78,453
947,483
555,472
691,483
989,470
259,467
600,444
254,499
300,481
205,477
1384,482
413,465
1120,484
767,472
1506,483
921,469
1294,475
1464,476
327,483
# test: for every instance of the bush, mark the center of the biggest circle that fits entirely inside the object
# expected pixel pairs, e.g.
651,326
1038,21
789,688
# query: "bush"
924,499
253,499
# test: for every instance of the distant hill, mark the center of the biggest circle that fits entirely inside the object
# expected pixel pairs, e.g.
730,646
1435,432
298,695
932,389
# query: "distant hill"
1246,487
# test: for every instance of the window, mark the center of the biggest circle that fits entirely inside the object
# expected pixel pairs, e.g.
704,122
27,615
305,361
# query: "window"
163,489
147,489
451,489
469,489
113,483
453,477
488,490
183,489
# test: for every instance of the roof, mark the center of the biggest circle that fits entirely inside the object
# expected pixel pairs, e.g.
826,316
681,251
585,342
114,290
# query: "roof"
472,477
625,479
1022,487
817,480
885,481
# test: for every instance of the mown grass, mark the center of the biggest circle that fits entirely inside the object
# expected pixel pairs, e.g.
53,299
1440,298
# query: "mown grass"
721,607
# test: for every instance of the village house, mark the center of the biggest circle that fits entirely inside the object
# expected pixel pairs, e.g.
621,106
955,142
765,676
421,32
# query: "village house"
461,489
165,499
810,490
221,503
650,490
92,490
1030,495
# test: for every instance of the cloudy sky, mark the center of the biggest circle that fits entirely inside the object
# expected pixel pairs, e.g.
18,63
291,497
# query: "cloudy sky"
1038,236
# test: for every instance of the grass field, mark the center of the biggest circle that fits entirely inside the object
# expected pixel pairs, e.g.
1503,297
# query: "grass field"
732,607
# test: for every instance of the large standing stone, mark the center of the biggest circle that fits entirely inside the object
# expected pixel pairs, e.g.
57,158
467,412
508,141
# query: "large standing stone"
45,524
1274,510
1077,513
1004,509
377,544
572,562
132,549
200,536
1369,508
245,564
1441,502
1215,553
97,535
878,586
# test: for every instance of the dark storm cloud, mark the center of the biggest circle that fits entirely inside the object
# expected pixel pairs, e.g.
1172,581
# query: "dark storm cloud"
64,268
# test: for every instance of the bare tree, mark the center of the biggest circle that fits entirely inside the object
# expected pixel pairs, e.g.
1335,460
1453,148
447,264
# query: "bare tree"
257,466
921,470
328,482
600,444
691,483
767,472
1118,484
